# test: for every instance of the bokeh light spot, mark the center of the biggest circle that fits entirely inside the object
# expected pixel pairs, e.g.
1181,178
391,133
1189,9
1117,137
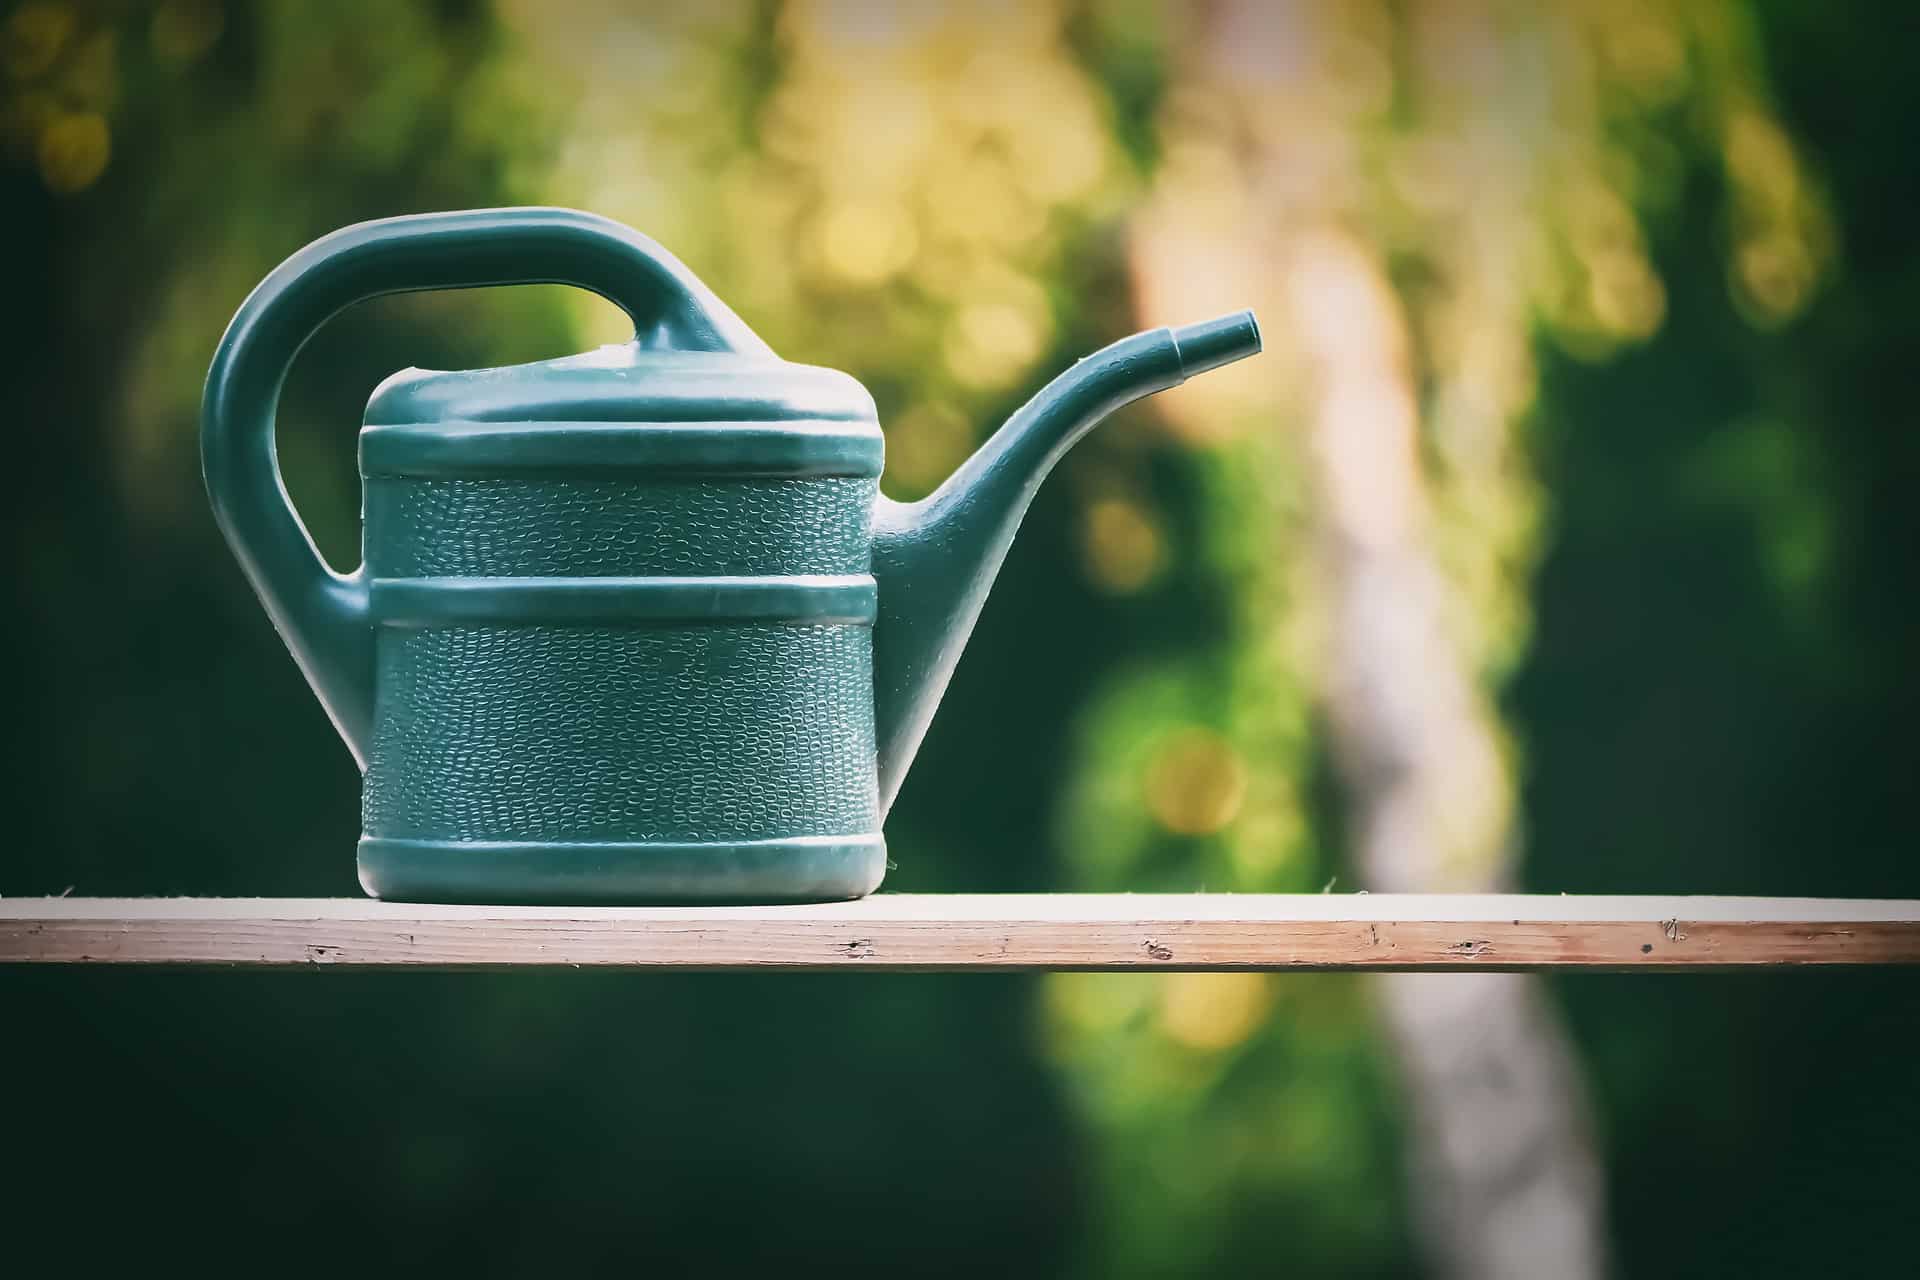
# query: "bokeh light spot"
33,38
865,242
992,344
1195,783
1213,1011
183,30
1122,545
73,151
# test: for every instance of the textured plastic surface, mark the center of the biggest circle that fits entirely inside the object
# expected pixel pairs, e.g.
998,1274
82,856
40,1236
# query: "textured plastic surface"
518,525
615,636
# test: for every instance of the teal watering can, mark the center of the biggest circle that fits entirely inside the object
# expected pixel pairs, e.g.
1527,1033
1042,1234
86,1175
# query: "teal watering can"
633,626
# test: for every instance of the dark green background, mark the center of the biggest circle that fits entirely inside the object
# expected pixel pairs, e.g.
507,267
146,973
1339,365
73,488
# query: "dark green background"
1687,731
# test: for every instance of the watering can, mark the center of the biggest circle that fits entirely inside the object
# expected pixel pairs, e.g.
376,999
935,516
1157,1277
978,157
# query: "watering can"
637,625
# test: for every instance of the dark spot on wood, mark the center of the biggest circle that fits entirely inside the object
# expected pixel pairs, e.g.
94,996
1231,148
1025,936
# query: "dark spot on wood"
858,947
1470,947
1646,948
1158,951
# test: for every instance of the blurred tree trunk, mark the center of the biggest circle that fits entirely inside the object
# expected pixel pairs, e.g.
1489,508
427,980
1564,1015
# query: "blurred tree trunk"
1505,1182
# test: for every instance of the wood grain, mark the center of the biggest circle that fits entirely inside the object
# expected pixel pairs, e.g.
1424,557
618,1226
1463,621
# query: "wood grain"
901,932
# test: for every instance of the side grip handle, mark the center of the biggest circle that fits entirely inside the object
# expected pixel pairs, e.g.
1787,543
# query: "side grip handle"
323,615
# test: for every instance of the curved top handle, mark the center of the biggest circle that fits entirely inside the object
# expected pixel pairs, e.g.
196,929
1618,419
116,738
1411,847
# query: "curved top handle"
322,615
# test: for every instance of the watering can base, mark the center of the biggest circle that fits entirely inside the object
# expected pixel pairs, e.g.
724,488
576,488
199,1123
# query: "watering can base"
639,873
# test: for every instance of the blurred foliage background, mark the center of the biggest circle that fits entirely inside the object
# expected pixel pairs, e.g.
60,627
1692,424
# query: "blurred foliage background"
1588,324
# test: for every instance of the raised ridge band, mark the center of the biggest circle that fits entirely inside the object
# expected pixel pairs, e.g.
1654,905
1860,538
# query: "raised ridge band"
804,600
821,447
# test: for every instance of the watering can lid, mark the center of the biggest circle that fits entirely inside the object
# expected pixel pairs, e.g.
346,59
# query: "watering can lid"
625,406
628,384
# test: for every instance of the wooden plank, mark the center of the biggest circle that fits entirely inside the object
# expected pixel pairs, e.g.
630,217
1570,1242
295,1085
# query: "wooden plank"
903,932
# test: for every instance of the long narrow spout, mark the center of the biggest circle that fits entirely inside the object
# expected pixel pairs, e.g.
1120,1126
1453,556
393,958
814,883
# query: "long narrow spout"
936,559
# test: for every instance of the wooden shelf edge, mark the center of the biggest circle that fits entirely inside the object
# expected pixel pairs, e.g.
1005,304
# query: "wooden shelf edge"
918,933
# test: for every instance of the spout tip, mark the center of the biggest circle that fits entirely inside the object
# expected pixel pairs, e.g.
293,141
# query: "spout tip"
1212,343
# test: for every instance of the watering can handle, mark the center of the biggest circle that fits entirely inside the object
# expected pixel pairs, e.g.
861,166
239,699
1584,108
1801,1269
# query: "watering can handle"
323,615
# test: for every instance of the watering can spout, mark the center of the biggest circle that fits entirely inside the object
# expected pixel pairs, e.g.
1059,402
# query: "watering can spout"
936,559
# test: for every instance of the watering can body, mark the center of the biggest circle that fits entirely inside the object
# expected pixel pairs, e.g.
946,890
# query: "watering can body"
623,612
633,626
